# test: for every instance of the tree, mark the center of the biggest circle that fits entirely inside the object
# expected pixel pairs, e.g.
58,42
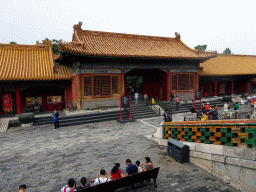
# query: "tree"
55,45
12,42
201,47
227,51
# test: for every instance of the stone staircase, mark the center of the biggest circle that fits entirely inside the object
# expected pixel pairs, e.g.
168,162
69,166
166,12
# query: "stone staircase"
4,124
138,111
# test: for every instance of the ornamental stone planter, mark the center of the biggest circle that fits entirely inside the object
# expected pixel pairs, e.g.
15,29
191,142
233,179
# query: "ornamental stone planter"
227,98
26,119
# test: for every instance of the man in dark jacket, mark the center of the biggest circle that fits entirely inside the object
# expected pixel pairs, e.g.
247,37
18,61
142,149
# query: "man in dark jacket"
214,113
166,116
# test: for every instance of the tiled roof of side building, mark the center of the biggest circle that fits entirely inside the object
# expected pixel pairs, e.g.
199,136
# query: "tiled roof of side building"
227,65
97,43
29,62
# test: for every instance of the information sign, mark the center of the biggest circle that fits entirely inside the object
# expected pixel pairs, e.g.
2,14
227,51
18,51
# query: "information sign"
125,102
198,95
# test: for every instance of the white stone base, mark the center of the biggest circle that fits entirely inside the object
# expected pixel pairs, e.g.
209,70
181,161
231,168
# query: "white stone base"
27,125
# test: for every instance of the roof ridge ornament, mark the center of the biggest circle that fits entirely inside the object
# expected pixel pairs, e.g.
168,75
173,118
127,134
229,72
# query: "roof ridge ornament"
47,44
78,27
177,36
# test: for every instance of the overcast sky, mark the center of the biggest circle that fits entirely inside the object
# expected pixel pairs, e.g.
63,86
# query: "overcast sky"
218,24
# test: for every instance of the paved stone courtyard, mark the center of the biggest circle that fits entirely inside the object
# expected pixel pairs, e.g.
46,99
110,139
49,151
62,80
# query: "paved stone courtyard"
44,158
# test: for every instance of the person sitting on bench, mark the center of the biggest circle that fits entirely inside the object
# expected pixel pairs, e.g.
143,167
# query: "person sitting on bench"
149,164
70,187
131,168
102,178
116,173
83,184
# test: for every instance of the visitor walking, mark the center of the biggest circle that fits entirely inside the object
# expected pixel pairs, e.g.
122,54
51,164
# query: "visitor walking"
225,107
236,108
136,96
145,97
242,104
171,98
177,100
36,105
55,119
203,106
249,100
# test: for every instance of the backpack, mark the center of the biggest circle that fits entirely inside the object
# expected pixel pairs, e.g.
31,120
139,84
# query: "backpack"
235,107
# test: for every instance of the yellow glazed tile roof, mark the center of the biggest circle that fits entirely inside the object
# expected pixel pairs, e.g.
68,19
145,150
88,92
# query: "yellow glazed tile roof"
225,65
29,62
98,43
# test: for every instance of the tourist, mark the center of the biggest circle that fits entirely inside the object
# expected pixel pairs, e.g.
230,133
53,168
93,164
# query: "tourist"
132,91
116,173
56,119
249,100
138,166
203,106
166,116
70,187
145,97
136,96
254,106
102,178
253,100
177,100
214,113
83,184
22,188
242,104
171,98
131,168
193,107
36,105
225,107
236,108
149,164
207,109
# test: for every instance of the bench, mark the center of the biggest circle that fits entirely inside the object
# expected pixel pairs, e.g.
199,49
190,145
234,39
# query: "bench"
124,181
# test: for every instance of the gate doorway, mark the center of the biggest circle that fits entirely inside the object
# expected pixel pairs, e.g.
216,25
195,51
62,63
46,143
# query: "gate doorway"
152,82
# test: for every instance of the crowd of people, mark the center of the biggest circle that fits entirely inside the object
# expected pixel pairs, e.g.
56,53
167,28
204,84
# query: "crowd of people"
115,173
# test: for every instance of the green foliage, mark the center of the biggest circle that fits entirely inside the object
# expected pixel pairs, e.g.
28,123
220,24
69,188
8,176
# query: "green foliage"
135,82
55,45
12,42
227,51
201,47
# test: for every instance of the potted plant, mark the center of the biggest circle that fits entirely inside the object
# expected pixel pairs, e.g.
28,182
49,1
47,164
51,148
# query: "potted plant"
26,119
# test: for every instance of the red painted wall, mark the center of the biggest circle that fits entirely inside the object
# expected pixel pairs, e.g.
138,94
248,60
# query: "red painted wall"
74,88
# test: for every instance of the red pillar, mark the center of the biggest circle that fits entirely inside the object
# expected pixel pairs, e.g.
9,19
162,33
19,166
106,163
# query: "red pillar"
122,82
168,85
215,88
18,100
232,86
68,95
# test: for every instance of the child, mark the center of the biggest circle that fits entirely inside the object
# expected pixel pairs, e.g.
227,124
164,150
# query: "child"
138,166
145,97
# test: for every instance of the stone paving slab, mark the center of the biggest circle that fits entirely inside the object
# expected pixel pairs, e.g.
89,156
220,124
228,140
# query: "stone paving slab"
44,158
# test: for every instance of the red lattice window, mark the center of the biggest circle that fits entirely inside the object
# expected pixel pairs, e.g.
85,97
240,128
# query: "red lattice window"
114,85
87,86
191,81
183,82
174,82
101,86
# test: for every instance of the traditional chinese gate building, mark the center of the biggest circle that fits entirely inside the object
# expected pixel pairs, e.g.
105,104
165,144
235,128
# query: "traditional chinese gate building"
99,63
28,72
228,74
